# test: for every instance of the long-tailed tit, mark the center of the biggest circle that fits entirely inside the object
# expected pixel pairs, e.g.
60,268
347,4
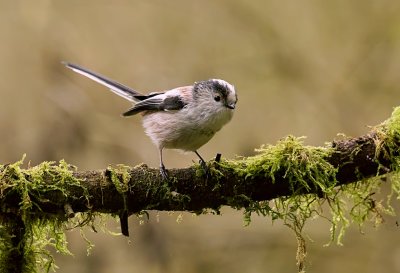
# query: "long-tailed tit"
182,118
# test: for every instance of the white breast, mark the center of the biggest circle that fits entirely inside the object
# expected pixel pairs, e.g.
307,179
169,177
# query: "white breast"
186,129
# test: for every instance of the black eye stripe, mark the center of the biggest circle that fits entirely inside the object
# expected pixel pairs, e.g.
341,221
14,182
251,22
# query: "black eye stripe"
218,87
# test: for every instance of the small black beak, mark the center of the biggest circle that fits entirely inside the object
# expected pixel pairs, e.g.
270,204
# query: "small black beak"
231,106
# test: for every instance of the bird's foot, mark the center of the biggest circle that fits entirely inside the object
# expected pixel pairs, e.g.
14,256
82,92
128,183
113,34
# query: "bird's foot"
204,166
206,169
164,173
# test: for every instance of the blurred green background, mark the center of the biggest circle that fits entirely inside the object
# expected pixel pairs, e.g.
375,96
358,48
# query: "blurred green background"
313,68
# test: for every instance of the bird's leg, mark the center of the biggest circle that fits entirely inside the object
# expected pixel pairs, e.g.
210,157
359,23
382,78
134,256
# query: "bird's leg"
163,170
203,164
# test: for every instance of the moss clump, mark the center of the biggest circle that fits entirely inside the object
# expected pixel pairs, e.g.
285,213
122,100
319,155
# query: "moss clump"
35,232
304,167
120,177
388,140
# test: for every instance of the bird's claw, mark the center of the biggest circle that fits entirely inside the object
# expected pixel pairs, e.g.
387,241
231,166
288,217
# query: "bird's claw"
164,173
205,168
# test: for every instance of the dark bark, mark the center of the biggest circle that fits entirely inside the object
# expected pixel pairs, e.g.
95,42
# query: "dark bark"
15,258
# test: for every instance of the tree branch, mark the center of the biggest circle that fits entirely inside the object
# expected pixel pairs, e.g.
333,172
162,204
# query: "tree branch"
188,190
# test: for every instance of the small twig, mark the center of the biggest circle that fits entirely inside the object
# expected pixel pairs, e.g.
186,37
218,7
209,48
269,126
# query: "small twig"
69,212
123,218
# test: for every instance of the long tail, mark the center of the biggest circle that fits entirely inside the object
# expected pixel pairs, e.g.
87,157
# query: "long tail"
116,87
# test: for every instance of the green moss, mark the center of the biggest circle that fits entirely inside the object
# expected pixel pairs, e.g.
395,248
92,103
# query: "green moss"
388,140
38,232
304,167
120,177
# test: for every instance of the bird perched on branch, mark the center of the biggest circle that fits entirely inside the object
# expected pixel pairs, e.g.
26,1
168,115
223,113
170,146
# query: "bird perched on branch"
183,118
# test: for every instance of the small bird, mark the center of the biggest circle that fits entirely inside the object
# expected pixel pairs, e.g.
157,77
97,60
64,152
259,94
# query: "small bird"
183,118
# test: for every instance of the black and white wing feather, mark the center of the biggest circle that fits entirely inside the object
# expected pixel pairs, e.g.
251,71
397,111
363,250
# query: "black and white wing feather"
116,87
158,102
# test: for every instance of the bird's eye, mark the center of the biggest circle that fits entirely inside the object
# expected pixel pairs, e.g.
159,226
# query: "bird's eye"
217,98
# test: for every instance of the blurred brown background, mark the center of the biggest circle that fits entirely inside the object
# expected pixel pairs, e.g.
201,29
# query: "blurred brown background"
314,68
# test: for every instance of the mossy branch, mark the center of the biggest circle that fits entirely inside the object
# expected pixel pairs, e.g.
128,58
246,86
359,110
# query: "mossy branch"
233,183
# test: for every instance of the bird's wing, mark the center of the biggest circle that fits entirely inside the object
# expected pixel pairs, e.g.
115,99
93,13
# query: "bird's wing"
116,87
160,102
